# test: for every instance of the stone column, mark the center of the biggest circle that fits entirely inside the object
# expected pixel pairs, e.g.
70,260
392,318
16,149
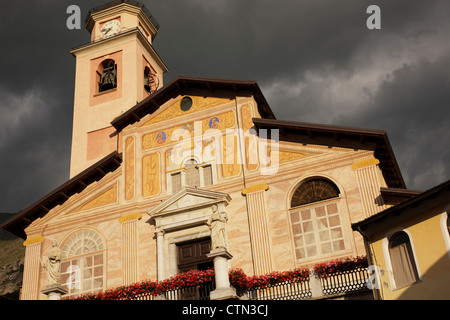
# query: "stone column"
130,271
160,247
31,270
259,228
223,289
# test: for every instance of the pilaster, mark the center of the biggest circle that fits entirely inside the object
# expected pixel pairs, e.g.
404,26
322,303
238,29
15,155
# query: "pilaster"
368,177
31,269
130,271
259,227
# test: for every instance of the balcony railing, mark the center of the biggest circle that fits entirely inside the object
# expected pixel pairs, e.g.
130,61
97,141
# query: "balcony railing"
327,279
345,281
287,290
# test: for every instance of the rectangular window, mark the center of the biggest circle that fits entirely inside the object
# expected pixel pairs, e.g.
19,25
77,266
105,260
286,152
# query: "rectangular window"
192,176
207,175
83,275
176,182
317,231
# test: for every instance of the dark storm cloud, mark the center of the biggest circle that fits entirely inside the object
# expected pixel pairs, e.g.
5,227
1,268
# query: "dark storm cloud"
315,61
412,104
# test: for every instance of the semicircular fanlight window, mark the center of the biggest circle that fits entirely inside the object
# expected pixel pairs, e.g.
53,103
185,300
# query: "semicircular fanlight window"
313,191
82,242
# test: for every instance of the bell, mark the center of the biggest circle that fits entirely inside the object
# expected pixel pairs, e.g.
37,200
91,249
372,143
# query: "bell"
108,79
150,82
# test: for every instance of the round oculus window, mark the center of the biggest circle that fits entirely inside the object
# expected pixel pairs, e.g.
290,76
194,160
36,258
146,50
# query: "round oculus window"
186,104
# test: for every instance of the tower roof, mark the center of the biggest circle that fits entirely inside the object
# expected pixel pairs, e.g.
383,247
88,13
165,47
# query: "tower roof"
118,2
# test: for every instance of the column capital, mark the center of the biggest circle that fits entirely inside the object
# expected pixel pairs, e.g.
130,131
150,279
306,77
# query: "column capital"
33,240
365,163
130,216
160,231
254,188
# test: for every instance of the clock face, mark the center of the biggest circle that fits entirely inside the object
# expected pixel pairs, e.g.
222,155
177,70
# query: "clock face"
110,28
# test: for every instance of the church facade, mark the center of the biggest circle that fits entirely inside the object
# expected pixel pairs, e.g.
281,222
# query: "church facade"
145,177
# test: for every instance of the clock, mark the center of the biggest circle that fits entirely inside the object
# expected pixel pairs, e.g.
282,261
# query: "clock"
110,28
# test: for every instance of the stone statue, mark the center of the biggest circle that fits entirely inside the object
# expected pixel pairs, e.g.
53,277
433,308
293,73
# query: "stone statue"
217,222
52,264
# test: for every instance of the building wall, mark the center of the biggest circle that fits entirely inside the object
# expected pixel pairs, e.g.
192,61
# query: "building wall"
259,227
429,238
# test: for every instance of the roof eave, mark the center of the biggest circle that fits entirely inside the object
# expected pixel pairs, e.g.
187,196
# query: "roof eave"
183,85
19,222
341,136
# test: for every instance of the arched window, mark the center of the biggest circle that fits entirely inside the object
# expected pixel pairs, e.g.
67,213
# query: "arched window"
448,225
315,220
83,263
192,174
402,260
107,75
151,81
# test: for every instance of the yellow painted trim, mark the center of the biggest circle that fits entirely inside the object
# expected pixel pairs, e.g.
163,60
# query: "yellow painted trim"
33,240
255,187
129,217
365,163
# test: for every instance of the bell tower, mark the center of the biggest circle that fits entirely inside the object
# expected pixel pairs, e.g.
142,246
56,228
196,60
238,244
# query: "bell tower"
114,71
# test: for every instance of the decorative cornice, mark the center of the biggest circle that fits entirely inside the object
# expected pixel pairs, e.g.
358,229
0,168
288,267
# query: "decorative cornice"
33,240
254,188
365,163
129,217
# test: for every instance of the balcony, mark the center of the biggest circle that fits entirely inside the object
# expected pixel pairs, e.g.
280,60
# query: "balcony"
340,279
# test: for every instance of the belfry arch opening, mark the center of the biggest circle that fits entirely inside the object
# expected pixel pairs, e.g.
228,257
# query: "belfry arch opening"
107,75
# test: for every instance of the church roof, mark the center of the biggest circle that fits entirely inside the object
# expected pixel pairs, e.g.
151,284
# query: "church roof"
17,224
183,85
340,136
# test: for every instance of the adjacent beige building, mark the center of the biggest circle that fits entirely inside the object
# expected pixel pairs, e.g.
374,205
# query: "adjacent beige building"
145,175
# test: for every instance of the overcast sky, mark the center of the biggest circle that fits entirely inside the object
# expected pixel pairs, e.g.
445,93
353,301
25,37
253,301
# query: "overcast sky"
315,61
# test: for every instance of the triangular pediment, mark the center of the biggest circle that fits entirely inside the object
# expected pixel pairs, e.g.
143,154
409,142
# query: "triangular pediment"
98,198
189,199
174,109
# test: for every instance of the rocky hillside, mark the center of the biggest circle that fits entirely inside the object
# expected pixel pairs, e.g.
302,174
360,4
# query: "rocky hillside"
12,253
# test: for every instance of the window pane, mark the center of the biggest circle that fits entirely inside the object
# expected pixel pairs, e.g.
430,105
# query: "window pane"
332,208
306,215
338,245
88,262
296,229
299,241
334,221
87,284
295,217
98,259
311,251
324,235
320,211
300,253
98,271
336,233
309,238
326,247
322,223
307,226
98,283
